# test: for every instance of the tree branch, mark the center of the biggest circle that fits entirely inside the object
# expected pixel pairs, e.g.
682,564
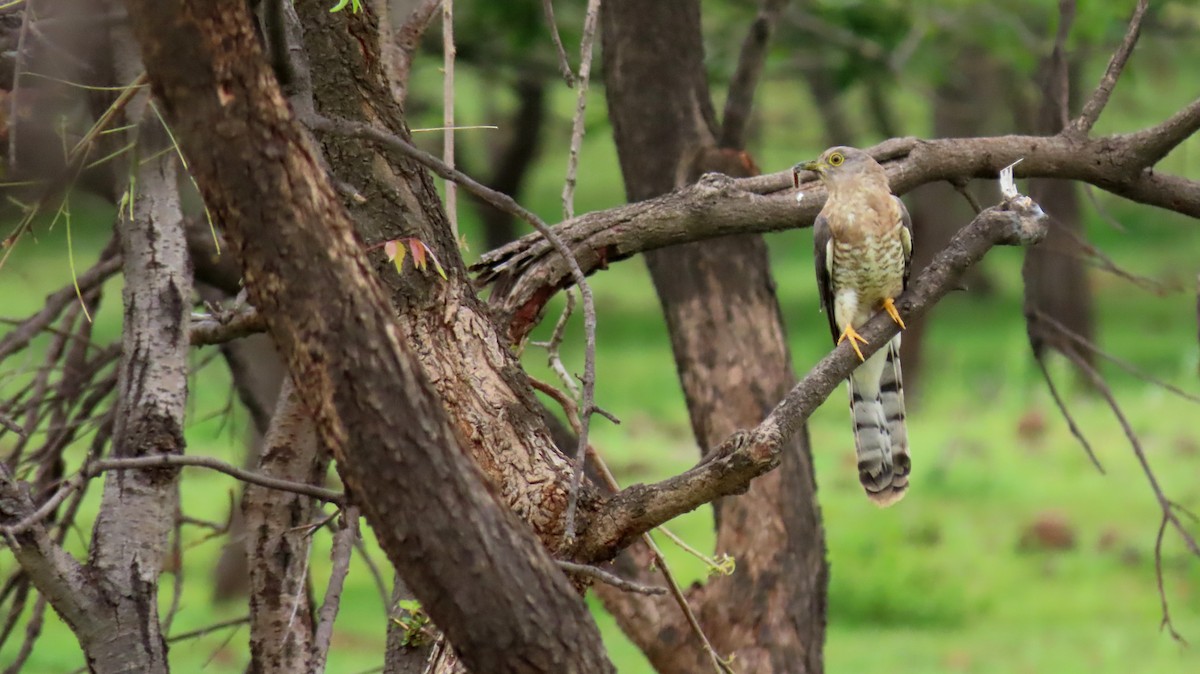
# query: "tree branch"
1099,98
729,468
740,99
526,272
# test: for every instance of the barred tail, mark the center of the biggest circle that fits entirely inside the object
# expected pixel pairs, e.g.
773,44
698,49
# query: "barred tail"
891,395
880,440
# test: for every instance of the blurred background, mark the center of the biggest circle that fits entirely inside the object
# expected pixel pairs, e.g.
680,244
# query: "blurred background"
1011,553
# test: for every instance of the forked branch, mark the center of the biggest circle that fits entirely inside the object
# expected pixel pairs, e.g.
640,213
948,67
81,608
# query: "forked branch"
729,468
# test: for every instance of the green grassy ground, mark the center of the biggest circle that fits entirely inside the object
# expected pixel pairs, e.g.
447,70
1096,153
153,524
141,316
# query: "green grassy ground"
940,583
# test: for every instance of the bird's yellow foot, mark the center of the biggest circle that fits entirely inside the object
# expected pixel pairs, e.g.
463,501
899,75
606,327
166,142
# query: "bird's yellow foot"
852,334
890,307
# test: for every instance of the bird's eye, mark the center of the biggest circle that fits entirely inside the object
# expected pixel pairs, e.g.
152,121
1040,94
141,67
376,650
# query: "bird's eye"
836,159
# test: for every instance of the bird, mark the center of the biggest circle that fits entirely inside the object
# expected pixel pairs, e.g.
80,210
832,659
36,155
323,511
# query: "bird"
863,245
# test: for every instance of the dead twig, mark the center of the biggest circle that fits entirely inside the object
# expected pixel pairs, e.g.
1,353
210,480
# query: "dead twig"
448,53
204,631
553,357
94,468
577,125
564,66
343,546
1167,506
596,573
1062,407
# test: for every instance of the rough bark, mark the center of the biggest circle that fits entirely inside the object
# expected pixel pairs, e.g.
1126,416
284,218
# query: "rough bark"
732,358
372,404
138,509
476,375
277,541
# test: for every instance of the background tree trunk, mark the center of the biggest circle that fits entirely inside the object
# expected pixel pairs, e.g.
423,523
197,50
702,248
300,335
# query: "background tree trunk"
732,358
1054,272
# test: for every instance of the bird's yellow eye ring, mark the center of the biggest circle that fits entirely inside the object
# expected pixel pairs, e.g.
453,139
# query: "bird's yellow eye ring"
836,159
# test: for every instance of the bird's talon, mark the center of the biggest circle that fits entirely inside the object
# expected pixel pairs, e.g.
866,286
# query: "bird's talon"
852,334
890,307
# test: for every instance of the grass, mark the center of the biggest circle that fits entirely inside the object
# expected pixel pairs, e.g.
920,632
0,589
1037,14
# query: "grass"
940,583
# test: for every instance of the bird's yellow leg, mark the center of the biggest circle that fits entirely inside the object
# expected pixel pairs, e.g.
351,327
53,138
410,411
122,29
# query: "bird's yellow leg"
852,334
890,307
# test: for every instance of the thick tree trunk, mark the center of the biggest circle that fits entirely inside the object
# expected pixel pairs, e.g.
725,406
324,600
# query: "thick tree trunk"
476,374
324,306
732,358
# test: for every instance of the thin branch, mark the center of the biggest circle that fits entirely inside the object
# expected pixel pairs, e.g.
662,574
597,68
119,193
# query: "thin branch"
408,38
448,52
961,186
564,66
343,547
577,124
55,304
27,17
505,203
1167,506
740,99
204,631
1062,407
361,547
1119,362
660,560
1160,581
1152,144
94,468
1099,98
588,404
598,574
553,357
33,630
217,329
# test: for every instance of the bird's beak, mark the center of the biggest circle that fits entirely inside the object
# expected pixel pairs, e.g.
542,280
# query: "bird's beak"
815,166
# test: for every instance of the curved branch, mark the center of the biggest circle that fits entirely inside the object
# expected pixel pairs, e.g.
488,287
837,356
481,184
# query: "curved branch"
526,273
1095,105
729,468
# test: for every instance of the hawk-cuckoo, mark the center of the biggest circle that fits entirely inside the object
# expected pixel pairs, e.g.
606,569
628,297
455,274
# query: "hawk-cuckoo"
863,240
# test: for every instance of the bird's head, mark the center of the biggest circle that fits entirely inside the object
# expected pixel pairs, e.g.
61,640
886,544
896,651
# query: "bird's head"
837,164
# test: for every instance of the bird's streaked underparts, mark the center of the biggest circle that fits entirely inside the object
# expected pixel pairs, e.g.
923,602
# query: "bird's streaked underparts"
863,241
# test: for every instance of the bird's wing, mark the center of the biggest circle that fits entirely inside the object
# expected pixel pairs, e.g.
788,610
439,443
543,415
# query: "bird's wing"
822,245
906,238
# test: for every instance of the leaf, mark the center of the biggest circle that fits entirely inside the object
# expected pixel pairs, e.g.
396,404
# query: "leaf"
418,253
436,264
395,252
